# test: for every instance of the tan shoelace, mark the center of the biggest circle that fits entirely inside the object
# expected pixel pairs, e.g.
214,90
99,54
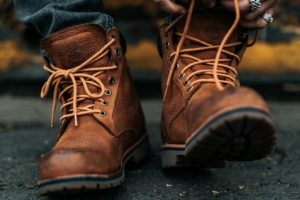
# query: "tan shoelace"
75,77
215,63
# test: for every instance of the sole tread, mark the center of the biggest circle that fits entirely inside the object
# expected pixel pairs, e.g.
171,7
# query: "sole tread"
236,137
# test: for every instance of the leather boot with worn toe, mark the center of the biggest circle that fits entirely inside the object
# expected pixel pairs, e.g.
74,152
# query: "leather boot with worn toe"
207,118
102,126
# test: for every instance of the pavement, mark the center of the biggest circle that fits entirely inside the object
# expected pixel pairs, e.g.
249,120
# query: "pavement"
25,135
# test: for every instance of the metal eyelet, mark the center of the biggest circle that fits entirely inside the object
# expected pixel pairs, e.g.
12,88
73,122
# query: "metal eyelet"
180,76
116,64
176,67
117,51
102,113
190,88
185,83
111,80
167,45
108,92
112,37
166,34
104,103
170,58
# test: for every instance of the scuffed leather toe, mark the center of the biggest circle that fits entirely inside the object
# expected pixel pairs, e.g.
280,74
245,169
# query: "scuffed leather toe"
199,111
73,162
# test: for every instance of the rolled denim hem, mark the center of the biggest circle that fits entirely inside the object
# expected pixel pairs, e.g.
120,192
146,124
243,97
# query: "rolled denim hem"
48,16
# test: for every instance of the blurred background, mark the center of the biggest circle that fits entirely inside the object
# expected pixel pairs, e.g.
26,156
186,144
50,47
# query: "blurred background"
271,66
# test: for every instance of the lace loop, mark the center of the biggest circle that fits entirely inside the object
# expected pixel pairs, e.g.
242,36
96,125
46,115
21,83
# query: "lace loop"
219,76
234,25
73,78
67,74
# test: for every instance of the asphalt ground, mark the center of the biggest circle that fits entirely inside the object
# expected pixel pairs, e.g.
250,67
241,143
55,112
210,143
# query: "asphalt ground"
25,135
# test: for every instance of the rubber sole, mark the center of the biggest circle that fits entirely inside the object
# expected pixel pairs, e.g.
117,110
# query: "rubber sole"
242,134
84,183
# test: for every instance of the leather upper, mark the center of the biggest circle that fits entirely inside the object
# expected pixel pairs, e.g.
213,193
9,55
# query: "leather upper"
186,109
98,143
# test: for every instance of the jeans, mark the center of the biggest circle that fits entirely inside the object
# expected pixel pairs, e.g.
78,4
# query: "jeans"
49,16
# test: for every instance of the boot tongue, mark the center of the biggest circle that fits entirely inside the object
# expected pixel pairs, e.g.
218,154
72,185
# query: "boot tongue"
209,27
72,46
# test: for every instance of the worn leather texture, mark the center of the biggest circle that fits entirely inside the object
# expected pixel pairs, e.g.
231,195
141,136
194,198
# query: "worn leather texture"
184,111
97,145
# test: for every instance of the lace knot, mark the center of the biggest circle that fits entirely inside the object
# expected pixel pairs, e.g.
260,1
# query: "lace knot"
72,78
67,74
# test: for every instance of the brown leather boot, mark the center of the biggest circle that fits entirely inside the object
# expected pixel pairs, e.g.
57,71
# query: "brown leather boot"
207,117
103,125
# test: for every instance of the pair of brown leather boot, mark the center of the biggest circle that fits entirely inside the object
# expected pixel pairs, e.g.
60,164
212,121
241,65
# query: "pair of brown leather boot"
207,117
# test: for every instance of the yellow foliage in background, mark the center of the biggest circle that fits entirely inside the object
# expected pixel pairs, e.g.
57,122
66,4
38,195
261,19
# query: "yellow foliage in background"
144,56
272,58
12,55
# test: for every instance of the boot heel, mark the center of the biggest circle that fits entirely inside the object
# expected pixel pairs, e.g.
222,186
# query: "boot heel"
169,157
175,157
